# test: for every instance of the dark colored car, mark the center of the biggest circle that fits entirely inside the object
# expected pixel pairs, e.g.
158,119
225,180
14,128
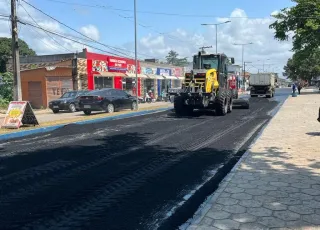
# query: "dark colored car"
68,101
107,99
319,115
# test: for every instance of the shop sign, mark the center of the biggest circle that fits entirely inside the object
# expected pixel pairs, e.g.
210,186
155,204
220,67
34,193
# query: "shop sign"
149,70
117,65
176,72
163,72
99,66
19,113
131,69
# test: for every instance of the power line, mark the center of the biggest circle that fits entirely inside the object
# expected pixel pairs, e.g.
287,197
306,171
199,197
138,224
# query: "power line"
146,12
92,40
62,36
172,37
74,29
41,27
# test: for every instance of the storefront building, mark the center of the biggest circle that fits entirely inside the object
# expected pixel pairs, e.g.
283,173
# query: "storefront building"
112,72
41,85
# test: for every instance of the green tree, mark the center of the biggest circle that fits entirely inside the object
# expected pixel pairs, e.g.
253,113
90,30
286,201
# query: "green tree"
173,59
6,51
303,20
303,66
6,88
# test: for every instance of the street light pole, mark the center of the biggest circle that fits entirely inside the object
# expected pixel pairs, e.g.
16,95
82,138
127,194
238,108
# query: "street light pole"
135,52
242,53
216,25
263,63
216,39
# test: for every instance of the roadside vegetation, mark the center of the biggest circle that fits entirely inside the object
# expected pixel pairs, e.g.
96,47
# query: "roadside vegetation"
302,23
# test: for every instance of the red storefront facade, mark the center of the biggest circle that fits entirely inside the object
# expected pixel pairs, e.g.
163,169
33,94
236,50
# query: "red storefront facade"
110,71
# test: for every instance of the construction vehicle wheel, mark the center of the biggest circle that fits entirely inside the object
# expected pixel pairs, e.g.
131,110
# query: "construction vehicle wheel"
180,108
230,101
222,104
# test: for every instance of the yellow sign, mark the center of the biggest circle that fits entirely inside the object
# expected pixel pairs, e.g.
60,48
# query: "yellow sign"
14,113
19,113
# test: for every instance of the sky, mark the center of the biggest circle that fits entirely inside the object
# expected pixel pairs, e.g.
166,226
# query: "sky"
162,26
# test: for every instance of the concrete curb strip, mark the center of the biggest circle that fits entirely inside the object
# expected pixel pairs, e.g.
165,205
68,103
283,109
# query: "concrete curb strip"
23,133
205,206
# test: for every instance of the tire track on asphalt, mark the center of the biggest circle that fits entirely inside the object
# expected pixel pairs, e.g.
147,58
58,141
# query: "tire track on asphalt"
31,173
62,140
21,177
105,196
155,140
39,186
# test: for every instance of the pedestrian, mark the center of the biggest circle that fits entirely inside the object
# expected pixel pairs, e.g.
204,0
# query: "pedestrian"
299,87
293,88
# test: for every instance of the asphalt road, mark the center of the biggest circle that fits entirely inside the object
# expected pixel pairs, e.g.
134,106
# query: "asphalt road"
136,173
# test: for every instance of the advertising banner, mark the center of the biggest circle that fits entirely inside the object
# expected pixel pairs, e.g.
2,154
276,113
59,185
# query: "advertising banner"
115,64
177,72
149,70
163,72
19,113
99,66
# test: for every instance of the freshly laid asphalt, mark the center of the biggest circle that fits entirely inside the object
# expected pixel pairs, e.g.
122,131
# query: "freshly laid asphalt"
144,172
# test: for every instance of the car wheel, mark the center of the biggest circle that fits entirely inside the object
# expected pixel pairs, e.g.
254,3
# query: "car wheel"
55,111
110,108
87,112
134,106
72,108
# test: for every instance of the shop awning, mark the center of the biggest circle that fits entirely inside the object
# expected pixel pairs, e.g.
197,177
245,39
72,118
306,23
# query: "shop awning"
110,74
153,76
171,77
133,75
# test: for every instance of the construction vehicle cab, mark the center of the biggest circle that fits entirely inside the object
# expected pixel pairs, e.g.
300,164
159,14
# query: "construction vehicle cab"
206,85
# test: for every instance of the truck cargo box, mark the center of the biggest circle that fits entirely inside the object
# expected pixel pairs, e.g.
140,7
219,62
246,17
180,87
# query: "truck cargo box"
262,79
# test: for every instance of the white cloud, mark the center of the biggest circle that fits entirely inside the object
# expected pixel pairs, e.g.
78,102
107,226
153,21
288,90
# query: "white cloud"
91,31
186,43
44,42
242,29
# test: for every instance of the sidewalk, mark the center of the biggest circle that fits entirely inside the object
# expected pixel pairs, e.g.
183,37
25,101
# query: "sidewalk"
277,184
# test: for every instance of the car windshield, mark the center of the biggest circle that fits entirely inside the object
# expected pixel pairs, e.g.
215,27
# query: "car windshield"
69,95
207,62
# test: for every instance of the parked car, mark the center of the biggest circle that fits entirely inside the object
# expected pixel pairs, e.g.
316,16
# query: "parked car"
68,101
107,99
319,115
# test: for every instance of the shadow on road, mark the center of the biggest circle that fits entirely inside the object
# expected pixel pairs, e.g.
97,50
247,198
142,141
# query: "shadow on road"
316,134
118,177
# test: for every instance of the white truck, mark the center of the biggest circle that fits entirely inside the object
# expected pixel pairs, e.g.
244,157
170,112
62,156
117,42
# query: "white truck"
262,84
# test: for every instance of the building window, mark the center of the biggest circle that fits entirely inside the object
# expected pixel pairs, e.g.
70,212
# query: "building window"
176,83
103,82
149,85
128,85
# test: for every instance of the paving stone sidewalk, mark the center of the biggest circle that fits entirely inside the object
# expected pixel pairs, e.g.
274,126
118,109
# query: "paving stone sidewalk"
277,185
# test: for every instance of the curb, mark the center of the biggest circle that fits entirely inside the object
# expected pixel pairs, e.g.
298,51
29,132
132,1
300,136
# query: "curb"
97,120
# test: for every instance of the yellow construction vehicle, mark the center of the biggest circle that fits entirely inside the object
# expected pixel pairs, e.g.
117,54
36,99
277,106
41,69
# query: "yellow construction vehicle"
206,85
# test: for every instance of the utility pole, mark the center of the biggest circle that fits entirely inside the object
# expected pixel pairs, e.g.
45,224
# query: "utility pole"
15,53
216,25
135,51
242,53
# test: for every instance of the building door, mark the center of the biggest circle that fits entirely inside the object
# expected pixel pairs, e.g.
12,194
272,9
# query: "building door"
35,94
